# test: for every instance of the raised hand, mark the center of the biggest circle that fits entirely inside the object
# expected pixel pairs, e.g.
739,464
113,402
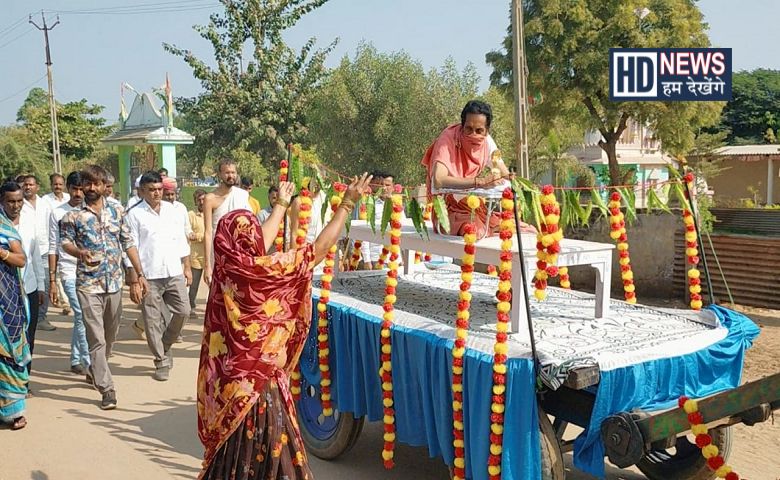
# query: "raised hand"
357,187
286,190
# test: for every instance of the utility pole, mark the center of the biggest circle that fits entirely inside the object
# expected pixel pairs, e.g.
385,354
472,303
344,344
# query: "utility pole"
55,132
519,72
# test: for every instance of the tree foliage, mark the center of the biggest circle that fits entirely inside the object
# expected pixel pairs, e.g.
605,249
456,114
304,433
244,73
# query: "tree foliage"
255,106
753,114
19,155
567,47
383,110
80,125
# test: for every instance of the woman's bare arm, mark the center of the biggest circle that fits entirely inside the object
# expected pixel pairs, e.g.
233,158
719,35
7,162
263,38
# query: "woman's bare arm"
16,257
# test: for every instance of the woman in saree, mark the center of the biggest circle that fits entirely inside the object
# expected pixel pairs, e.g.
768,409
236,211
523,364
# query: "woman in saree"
456,160
14,350
257,320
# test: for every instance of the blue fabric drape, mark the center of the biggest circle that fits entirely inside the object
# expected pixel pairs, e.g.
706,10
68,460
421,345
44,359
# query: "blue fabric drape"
422,380
658,384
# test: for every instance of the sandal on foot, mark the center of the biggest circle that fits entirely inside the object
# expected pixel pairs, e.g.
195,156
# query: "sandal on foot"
19,423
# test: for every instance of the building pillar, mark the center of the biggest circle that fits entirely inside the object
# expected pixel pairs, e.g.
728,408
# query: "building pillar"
125,183
168,158
770,181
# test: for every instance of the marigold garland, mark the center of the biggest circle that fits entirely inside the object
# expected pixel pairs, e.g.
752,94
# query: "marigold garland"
385,370
692,249
417,257
500,349
715,461
563,274
354,262
491,270
304,218
323,352
459,348
380,264
279,240
548,243
618,234
427,257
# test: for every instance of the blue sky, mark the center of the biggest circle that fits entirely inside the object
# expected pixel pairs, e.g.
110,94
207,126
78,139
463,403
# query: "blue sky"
94,54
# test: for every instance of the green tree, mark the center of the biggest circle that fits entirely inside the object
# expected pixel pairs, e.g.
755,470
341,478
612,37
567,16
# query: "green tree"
255,105
567,47
754,106
80,125
19,155
383,110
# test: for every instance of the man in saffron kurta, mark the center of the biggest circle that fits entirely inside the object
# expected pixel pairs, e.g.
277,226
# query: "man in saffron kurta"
257,319
455,161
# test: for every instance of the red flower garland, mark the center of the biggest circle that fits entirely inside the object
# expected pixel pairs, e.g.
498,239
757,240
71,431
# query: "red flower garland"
323,352
459,347
304,218
279,241
715,461
385,371
618,233
355,260
548,244
692,249
500,349
563,274
380,264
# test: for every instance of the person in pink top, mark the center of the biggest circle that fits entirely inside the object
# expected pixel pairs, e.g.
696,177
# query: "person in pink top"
455,161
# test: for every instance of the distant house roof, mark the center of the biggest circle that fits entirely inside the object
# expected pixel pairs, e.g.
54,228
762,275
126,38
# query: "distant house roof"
748,150
146,124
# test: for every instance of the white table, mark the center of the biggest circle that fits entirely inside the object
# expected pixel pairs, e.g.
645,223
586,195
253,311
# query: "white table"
573,252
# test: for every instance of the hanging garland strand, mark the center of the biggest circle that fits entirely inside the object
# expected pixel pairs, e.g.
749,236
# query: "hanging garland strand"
548,242
563,274
354,262
692,250
323,352
304,218
380,264
279,240
715,461
461,334
385,371
618,234
500,349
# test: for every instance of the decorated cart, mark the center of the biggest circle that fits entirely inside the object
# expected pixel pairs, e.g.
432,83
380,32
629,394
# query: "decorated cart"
488,370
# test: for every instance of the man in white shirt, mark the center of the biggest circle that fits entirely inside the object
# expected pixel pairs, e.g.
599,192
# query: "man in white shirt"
58,195
109,192
36,207
64,264
165,259
32,273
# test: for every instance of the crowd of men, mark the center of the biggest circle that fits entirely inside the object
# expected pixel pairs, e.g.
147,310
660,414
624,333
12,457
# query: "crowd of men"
83,246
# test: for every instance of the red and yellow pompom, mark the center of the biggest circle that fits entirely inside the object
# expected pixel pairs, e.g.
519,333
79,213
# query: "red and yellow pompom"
323,352
500,349
618,234
385,370
354,262
548,243
459,348
491,270
563,274
715,461
692,249
279,240
304,218
380,264
417,257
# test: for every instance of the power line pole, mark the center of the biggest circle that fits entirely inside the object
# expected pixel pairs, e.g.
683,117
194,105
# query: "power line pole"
55,132
519,72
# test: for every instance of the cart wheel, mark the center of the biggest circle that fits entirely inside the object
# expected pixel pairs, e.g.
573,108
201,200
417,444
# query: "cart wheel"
325,437
684,461
552,457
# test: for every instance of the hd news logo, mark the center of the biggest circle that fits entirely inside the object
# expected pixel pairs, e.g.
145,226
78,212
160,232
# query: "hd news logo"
669,74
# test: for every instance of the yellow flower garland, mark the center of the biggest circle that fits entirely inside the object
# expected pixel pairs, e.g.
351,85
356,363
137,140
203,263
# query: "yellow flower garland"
385,370
618,234
279,240
354,261
500,349
563,274
323,352
548,243
459,347
715,461
304,218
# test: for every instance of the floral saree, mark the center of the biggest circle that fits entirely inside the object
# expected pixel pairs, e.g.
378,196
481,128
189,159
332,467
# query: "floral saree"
257,318
14,350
